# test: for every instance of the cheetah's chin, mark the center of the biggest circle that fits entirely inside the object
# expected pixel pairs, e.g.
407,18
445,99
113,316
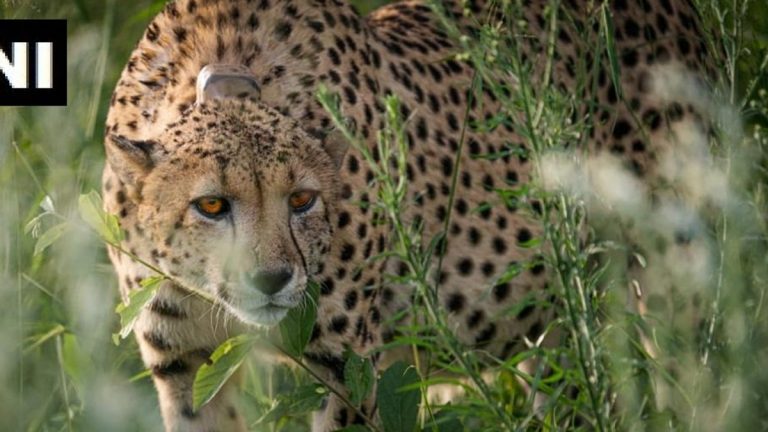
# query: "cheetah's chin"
267,315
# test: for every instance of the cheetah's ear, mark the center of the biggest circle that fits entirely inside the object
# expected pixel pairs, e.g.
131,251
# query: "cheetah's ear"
336,145
131,160
217,81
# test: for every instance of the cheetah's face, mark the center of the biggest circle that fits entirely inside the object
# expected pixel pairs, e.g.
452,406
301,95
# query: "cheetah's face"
236,201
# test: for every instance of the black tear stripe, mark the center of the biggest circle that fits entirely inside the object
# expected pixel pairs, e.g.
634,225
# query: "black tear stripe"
333,363
167,308
296,244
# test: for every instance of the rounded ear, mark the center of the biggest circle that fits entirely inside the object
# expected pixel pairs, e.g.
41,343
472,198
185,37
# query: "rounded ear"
336,145
219,81
131,160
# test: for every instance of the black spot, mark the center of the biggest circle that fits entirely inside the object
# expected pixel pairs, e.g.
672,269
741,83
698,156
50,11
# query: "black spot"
501,291
629,58
352,164
317,26
453,122
465,266
362,230
455,302
334,56
652,118
180,33
466,179
488,268
446,164
283,30
537,269
526,311
524,235
344,219
474,319
661,23
486,334
327,286
461,206
474,147
375,315
499,245
474,236
421,129
512,177
638,146
350,96
350,300
253,22
334,76
501,223
535,330
338,324
347,252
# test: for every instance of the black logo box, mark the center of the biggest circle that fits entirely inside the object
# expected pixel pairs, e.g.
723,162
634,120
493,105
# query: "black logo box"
31,32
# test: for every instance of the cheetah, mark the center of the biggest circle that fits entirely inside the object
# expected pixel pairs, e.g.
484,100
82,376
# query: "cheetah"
226,175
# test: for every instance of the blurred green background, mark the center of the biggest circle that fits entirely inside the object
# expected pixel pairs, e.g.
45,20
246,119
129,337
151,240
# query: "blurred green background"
59,369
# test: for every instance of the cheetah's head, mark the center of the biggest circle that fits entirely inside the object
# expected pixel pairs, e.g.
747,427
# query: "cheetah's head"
236,200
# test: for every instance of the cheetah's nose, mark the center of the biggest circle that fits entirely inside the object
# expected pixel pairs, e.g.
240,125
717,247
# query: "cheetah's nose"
270,282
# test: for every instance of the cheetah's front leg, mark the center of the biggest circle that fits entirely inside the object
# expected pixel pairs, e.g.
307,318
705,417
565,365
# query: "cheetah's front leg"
176,336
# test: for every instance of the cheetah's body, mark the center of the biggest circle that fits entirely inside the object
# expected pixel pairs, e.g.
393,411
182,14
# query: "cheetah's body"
290,47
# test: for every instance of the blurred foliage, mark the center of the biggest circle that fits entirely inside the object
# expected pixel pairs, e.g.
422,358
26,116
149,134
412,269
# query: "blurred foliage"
59,369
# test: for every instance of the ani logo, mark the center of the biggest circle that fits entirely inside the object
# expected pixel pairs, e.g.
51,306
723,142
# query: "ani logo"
33,62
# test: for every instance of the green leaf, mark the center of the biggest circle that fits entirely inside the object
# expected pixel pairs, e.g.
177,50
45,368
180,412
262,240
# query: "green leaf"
445,421
92,211
76,361
399,408
224,362
296,327
129,312
302,400
358,377
608,32
50,236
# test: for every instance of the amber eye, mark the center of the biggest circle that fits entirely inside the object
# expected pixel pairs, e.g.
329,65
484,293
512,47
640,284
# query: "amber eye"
212,207
302,201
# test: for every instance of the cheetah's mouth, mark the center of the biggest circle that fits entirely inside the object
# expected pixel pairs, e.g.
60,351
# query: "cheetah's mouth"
267,315
266,311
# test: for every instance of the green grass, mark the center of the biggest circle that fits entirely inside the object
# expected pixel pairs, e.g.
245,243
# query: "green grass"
60,369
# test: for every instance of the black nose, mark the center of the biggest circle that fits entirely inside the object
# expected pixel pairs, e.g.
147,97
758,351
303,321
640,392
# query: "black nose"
270,281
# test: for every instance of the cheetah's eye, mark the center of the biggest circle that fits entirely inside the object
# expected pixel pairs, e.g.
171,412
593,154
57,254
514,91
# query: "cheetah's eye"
212,207
302,201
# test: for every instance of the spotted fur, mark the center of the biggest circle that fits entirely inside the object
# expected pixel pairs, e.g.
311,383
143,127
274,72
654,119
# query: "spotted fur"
164,150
